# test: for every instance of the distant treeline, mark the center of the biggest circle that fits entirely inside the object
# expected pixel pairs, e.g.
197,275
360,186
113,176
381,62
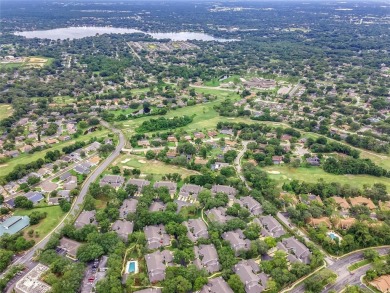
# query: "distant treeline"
163,123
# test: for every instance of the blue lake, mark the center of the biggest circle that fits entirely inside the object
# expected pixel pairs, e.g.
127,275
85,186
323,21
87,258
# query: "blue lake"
91,31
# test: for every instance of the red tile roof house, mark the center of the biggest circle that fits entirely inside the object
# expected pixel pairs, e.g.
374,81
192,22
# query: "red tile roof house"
277,160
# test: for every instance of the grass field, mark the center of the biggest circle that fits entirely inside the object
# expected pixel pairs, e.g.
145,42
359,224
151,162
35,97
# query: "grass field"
206,117
27,158
314,173
5,111
33,61
155,168
54,216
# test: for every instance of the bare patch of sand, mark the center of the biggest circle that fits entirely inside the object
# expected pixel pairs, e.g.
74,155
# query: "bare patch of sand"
142,161
273,172
125,161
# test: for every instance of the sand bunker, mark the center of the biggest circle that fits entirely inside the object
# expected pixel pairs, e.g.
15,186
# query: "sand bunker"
125,161
142,161
273,172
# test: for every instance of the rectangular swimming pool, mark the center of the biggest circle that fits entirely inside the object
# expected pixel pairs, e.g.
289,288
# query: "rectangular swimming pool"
131,267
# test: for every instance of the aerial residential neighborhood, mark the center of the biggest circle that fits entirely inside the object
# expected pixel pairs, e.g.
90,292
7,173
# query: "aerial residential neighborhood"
194,146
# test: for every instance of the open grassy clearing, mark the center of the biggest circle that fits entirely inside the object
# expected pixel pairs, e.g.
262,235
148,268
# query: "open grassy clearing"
33,61
206,117
313,174
152,167
5,111
27,158
54,216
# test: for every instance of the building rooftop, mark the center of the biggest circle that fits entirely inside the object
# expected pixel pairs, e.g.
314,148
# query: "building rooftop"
216,285
206,257
128,206
156,236
123,228
70,246
157,263
85,218
196,229
172,186
140,183
14,224
360,200
271,227
31,283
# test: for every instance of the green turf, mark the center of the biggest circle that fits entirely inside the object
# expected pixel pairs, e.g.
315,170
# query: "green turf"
205,115
5,111
313,174
54,216
358,264
152,167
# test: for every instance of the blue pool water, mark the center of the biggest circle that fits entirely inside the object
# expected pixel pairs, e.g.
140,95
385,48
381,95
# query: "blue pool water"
132,267
333,236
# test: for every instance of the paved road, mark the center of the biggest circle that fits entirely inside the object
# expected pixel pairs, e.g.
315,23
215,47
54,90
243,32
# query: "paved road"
339,266
344,277
237,162
26,259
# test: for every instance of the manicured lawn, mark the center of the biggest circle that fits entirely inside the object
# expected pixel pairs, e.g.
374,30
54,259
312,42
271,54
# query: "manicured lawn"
27,158
5,111
205,115
358,264
152,167
54,216
213,82
313,174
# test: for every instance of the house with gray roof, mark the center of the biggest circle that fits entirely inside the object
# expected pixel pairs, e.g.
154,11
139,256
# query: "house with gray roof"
129,206
216,285
251,204
189,192
270,226
35,196
230,191
140,183
86,218
172,186
157,206
206,257
237,240
83,168
93,147
156,236
123,228
249,273
114,181
70,247
156,263
14,224
70,183
218,215
292,246
196,229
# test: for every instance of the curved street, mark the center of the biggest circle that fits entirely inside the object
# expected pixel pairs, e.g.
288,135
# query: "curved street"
26,259
339,266
344,277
